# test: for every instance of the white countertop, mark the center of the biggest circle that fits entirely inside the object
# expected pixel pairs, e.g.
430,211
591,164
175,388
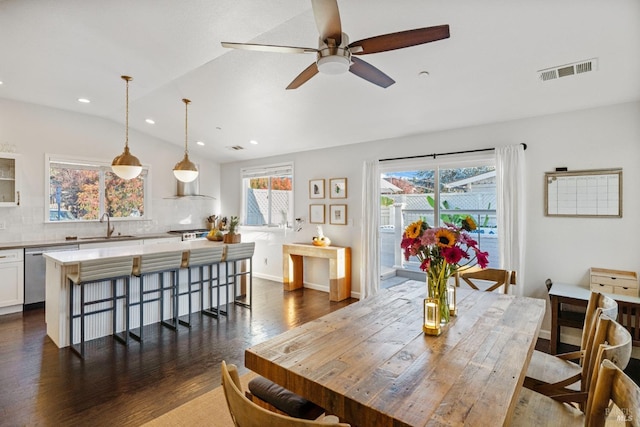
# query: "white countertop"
74,257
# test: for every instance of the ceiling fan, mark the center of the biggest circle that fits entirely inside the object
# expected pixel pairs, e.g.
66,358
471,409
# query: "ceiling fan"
335,53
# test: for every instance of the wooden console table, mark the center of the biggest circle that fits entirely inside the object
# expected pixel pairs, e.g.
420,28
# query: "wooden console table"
339,267
578,296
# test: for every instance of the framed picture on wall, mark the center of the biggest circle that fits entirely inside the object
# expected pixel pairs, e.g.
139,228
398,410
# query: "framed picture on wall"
338,214
316,214
338,188
316,188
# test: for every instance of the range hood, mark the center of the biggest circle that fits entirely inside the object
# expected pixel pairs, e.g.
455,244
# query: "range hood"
189,189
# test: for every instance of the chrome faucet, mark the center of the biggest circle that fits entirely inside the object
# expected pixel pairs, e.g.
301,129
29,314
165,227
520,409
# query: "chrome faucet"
110,229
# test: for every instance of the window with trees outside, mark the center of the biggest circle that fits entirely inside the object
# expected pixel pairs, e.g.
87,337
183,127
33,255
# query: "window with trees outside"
267,196
85,190
438,192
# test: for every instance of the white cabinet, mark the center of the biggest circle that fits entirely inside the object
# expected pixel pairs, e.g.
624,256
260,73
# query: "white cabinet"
9,179
12,283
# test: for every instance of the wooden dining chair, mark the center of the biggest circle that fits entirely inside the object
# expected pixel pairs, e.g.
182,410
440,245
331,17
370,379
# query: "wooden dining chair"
567,408
245,413
614,386
493,278
547,371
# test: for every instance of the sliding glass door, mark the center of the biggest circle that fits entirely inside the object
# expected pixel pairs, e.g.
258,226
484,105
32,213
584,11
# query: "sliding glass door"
437,191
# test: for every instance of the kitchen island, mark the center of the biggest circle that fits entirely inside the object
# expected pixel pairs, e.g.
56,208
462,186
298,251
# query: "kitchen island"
59,264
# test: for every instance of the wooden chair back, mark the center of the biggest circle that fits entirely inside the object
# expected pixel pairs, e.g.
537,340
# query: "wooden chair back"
245,413
607,305
613,385
494,277
610,341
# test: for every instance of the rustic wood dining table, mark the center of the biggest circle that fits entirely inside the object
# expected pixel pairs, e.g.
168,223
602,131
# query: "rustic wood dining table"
371,364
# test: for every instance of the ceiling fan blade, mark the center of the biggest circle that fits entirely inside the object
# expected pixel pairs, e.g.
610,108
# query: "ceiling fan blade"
370,73
269,48
304,76
327,20
400,40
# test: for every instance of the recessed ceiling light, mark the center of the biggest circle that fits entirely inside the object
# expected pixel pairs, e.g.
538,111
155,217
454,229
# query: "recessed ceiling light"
150,121
1,82
254,142
199,142
84,100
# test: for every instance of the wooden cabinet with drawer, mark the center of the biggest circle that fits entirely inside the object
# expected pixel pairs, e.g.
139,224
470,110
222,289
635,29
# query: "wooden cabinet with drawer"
614,281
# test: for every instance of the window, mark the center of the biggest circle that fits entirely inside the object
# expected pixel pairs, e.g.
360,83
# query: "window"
267,195
439,192
85,190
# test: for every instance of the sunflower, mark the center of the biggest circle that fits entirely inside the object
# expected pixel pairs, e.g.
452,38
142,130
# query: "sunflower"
469,224
413,230
445,238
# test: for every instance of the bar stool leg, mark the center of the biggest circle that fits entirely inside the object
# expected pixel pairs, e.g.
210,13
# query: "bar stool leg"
188,321
71,316
173,302
138,337
82,321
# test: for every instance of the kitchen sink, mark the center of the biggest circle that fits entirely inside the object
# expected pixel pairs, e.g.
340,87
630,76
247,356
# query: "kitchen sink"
122,236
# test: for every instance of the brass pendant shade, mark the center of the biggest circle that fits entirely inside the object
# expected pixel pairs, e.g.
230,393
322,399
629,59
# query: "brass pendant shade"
185,170
126,165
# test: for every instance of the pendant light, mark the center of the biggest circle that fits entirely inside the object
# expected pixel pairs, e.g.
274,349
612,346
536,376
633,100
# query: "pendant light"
126,165
185,170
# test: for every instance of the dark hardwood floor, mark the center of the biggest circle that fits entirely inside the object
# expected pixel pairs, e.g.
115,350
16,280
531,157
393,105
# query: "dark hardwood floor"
41,385
128,386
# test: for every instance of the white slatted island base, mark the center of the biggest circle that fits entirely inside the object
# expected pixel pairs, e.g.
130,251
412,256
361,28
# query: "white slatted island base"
59,264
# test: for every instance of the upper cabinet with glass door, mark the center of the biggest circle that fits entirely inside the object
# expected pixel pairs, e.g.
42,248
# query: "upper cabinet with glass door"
9,179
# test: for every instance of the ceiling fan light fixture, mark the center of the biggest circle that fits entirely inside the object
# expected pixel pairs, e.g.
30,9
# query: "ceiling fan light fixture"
333,64
185,170
126,165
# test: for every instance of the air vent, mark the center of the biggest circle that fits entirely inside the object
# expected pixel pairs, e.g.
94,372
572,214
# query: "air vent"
235,147
568,70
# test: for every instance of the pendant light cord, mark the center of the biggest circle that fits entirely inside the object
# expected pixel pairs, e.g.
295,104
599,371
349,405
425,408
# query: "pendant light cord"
186,122
126,138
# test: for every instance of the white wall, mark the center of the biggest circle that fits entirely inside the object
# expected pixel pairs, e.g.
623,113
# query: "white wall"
560,248
36,130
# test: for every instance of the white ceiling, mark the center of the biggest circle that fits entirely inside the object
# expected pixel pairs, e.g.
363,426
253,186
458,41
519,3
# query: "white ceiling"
53,52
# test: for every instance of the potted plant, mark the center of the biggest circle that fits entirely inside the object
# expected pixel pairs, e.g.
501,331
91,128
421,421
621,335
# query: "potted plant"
232,236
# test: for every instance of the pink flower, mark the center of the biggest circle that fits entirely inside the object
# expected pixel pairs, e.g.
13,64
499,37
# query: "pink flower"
453,254
428,237
483,258
467,240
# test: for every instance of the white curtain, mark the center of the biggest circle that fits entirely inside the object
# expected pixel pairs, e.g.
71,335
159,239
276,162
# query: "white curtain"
510,187
370,262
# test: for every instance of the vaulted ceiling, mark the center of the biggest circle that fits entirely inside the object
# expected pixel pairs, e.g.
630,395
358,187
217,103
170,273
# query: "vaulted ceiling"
54,52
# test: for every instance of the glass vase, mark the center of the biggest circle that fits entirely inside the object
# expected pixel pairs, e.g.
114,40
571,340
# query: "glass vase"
437,288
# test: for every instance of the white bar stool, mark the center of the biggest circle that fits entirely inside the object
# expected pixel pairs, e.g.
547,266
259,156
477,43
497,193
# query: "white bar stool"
160,263
98,271
203,259
235,254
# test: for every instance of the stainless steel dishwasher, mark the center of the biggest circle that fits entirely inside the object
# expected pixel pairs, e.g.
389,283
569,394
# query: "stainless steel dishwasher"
35,273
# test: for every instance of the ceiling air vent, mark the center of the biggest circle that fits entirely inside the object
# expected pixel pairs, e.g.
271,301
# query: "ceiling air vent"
568,70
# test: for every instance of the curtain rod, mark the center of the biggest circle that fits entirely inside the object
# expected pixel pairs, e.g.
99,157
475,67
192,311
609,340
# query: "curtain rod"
434,155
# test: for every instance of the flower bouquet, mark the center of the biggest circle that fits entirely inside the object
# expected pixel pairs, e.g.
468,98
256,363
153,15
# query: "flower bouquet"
442,251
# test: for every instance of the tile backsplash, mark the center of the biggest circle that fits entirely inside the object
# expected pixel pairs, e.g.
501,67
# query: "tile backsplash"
26,224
